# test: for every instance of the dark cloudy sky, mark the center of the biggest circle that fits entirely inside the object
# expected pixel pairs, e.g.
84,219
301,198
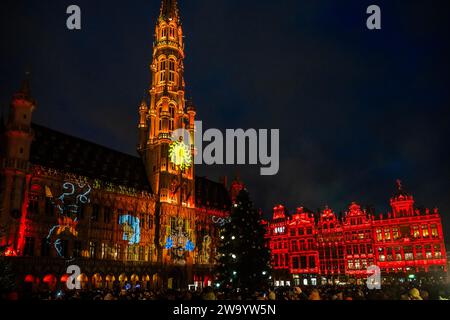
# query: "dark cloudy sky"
356,109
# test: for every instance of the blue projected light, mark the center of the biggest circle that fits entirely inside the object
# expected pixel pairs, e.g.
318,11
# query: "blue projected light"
169,243
190,246
131,229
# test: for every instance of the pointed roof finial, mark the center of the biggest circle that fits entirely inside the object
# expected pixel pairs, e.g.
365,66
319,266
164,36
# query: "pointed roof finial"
399,184
169,9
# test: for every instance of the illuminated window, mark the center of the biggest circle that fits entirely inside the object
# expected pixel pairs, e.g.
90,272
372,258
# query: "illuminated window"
92,249
363,249
364,263
107,213
141,253
350,264
425,232
164,32
28,249
395,233
172,117
81,211
162,70
118,250
171,70
416,232
387,234
382,257
303,262
437,251
45,247
379,235
104,250
434,231
130,253
172,32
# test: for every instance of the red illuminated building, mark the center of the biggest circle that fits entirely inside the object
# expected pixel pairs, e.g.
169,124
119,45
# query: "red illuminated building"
309,248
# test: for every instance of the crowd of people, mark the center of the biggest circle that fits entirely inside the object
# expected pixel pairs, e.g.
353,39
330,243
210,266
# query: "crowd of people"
338,292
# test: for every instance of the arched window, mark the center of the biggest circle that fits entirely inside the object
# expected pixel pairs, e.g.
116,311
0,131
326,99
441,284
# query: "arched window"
172,117
172,32
160,118
162,70
171,70
164,32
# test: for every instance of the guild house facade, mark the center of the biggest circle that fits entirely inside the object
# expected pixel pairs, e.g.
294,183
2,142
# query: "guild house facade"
139,220
311,248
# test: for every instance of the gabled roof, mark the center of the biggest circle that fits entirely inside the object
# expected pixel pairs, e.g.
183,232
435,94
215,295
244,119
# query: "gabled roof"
56,150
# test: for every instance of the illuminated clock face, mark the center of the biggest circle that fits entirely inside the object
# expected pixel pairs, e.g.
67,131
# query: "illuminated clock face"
180,154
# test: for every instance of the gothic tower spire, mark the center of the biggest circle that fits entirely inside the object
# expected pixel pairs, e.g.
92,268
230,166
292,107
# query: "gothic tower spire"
166,112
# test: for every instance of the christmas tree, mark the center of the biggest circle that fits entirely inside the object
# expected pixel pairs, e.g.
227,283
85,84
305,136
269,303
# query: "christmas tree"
243,260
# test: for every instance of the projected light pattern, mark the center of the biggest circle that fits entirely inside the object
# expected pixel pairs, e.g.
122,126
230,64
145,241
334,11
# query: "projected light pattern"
179,243
169,243
189,246
131,228
180,154
220,221
68,206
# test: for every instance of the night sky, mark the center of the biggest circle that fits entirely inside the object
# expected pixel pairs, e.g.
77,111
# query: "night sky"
356,109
